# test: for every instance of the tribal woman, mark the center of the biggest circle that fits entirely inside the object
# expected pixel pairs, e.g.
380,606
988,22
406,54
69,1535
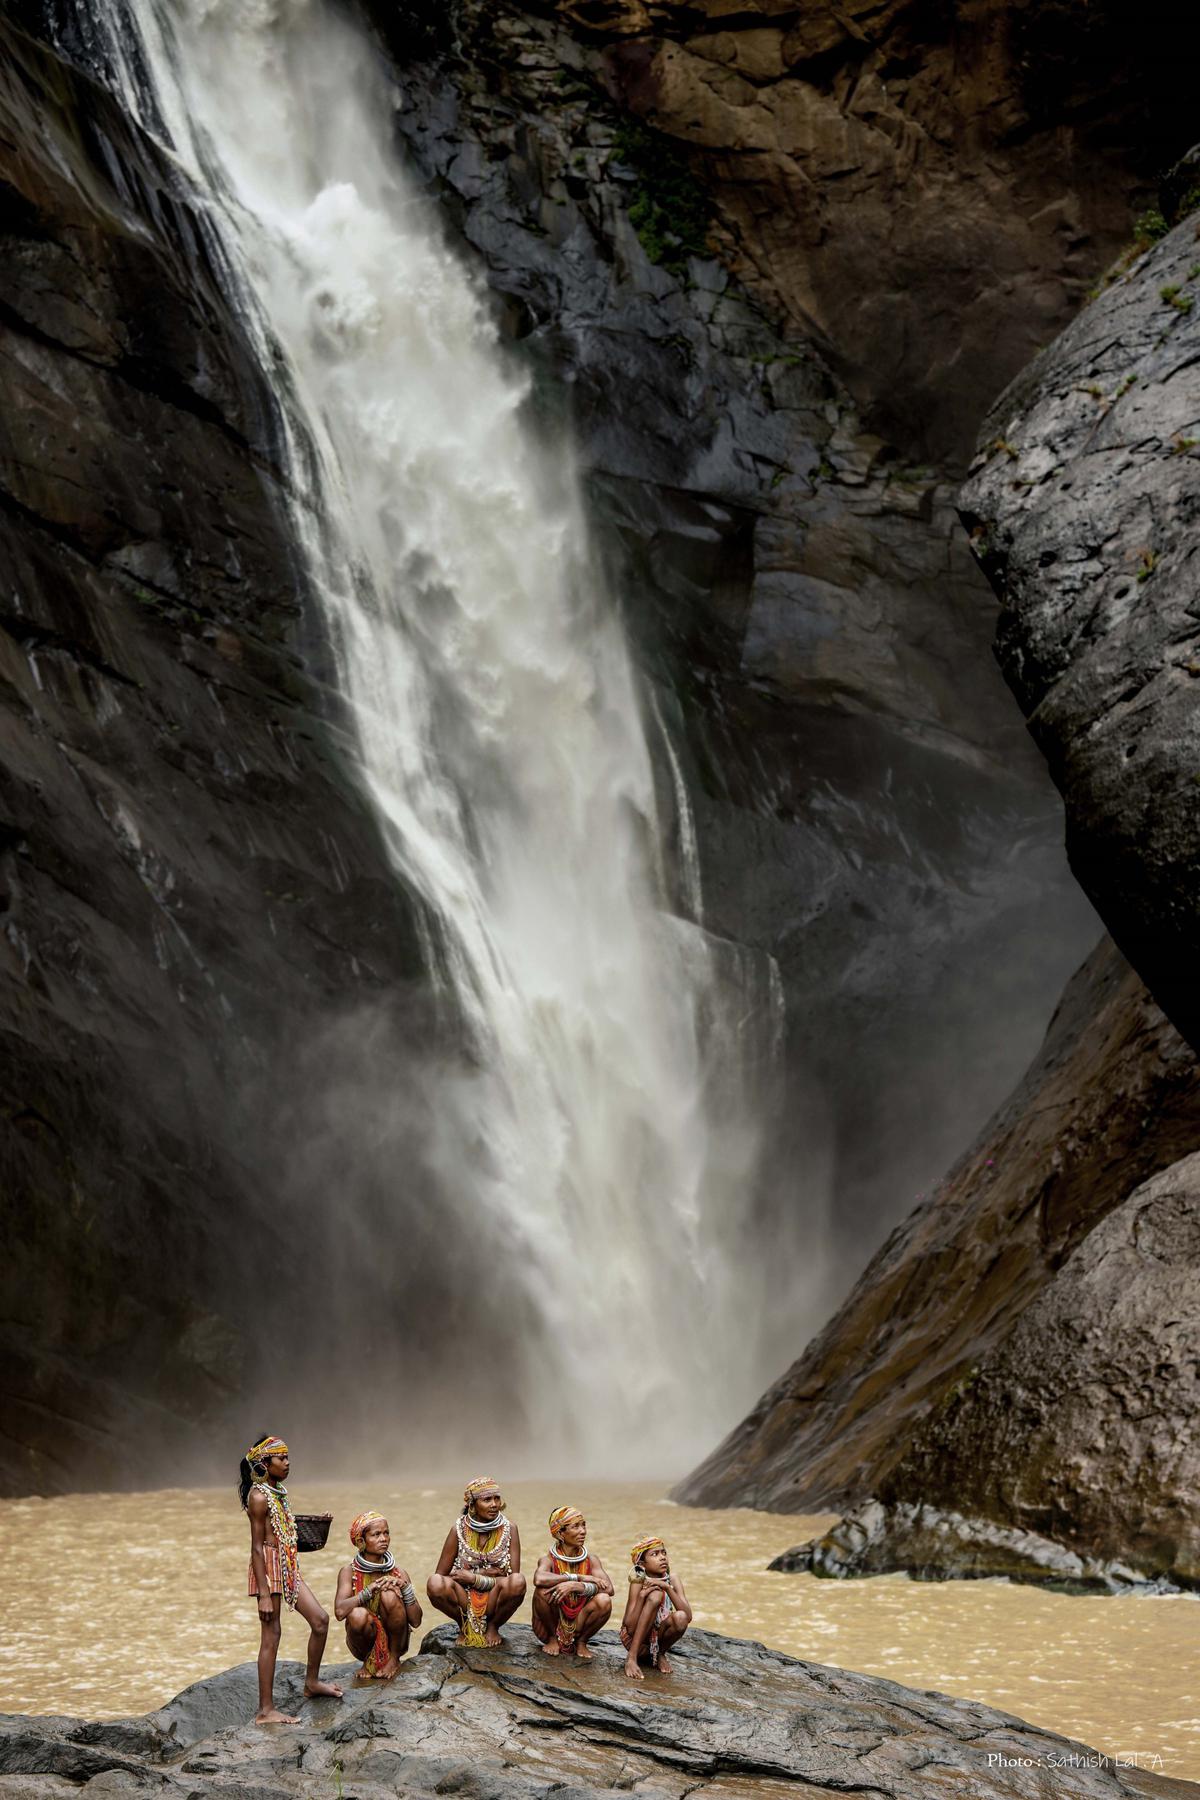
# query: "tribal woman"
657,1612
275,1576
478,1581
572,1595
375,1598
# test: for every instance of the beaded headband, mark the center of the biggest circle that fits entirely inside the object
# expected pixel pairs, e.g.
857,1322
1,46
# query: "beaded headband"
358,1527
270,1446
480,1485
561,1517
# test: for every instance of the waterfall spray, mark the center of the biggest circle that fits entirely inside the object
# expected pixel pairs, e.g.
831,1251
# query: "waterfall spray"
500,725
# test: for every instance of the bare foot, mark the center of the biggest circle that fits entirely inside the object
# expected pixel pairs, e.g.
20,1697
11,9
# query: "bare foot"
322,1690
552,1647
271,1715
388,1671
664,1663
492,1637
585,1653
632,1672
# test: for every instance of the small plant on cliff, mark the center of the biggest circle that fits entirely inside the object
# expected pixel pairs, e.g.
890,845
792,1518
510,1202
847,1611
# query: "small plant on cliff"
1003,444
1181,302
1149,226
668,208
1147,565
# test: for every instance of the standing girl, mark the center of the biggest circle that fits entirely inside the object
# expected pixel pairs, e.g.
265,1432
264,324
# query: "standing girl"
275,1576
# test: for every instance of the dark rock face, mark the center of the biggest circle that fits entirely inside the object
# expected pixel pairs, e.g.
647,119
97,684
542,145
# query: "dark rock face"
1072,1449
1113,1099
732,1719
866,809
927,190
1085,508
188,883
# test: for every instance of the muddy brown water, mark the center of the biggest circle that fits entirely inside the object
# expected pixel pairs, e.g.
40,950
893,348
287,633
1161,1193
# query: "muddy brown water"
155,1597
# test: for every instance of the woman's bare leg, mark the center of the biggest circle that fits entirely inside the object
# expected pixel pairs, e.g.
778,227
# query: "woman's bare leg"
449,1598
503,1602
594,1615
545,1622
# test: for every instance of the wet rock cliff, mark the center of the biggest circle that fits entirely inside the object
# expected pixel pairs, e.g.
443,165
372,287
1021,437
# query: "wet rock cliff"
1014,1373
189,885
1085,508
652,193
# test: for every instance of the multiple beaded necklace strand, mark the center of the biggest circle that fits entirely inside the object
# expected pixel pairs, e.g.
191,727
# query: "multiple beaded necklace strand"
284,1526
372,1568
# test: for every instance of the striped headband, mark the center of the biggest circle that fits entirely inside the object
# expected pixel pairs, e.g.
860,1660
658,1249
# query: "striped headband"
270,1446
640,1548
561,1517
358,1527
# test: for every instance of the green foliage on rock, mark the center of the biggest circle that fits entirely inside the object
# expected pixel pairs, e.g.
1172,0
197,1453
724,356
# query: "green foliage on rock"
668,209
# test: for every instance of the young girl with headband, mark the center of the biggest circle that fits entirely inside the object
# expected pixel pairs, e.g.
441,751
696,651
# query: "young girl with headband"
274,1576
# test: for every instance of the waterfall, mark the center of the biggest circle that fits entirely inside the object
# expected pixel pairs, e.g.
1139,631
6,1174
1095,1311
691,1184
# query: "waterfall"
501,729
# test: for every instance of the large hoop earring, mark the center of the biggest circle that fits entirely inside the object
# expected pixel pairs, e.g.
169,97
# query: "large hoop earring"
259,1469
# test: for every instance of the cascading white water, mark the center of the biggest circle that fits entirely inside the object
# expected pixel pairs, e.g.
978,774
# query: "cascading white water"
499,720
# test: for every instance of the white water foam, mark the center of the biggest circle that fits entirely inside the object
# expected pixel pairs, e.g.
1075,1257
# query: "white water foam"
500,726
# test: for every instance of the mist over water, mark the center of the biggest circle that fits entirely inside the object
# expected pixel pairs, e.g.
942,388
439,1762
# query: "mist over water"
596,1148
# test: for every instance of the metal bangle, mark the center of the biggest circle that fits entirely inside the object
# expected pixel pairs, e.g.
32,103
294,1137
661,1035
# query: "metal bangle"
408,1593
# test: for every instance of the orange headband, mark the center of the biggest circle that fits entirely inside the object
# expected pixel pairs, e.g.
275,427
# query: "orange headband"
640,1548
561,1517
358,1527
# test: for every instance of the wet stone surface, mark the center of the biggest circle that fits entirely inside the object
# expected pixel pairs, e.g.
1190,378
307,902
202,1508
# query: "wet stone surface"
731,1718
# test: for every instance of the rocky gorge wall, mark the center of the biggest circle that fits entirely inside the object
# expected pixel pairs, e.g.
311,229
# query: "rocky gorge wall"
1039,1420
191,891
681,211
867,809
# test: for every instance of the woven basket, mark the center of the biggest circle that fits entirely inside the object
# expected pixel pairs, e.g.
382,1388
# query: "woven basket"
312,1530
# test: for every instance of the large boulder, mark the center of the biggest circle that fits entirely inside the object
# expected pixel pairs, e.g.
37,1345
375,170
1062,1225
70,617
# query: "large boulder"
733,1718
1085,508
1113,1098
1071,1453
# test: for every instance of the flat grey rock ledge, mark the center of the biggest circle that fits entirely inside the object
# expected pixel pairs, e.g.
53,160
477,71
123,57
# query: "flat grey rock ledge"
731,1719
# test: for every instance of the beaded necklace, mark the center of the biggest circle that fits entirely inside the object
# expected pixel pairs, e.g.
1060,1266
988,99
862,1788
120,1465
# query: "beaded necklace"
374,1568
284,1526
499,1557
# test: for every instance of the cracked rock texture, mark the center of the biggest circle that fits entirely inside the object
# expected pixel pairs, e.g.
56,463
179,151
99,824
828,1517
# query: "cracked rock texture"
1072,1448
189,885
732,1719
926,190
1086,511
1113,1098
